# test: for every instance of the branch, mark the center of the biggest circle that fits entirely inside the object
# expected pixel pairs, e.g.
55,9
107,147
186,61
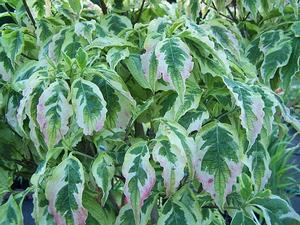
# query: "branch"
103,6
140,11
29,13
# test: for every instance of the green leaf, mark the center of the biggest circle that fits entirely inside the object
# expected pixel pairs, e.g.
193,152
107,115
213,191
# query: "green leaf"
258,161
174,63
175,213
76,5
241,219
89,105
134,65
251,105
13,44
288,71
54,111
64,192
115,55
139,175
103,170
218,161
10,213
296,28
270,39
6,180
81,58
275,57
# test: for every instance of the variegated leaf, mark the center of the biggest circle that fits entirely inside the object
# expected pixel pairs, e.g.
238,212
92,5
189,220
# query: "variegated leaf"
175,213
115,55
288,71
54,111
276,210
193,119
85,29
113,80
126,216
11,113
241,219
134,65
174,63
64,193
276,57
173,160
285,111
269,109
270,39
251,106
148,59
103,170
89,106
10,213
13,44
115,23
178,136
191,101
252,6
258,161
139,175
218,163
6,67
296,28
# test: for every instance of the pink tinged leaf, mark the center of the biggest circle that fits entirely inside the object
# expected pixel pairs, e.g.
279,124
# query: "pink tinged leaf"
235,170
60,107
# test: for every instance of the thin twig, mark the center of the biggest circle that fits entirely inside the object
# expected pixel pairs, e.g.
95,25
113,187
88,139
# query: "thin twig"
230,13
103,7
29,13
140,11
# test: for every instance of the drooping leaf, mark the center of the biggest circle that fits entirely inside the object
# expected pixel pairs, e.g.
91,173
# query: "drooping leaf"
10,213
6,67
185,145
251,106
13,44
241,219
139,175
89,105
148,59
175,213
54,111
275,57
64,193
103,170
174,63
114,80
173,160
218,163
269,107
134,65
258,161
276,210
288,71
296,28
126,216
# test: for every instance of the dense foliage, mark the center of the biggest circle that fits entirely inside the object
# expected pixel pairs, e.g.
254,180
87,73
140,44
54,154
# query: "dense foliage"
146,112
